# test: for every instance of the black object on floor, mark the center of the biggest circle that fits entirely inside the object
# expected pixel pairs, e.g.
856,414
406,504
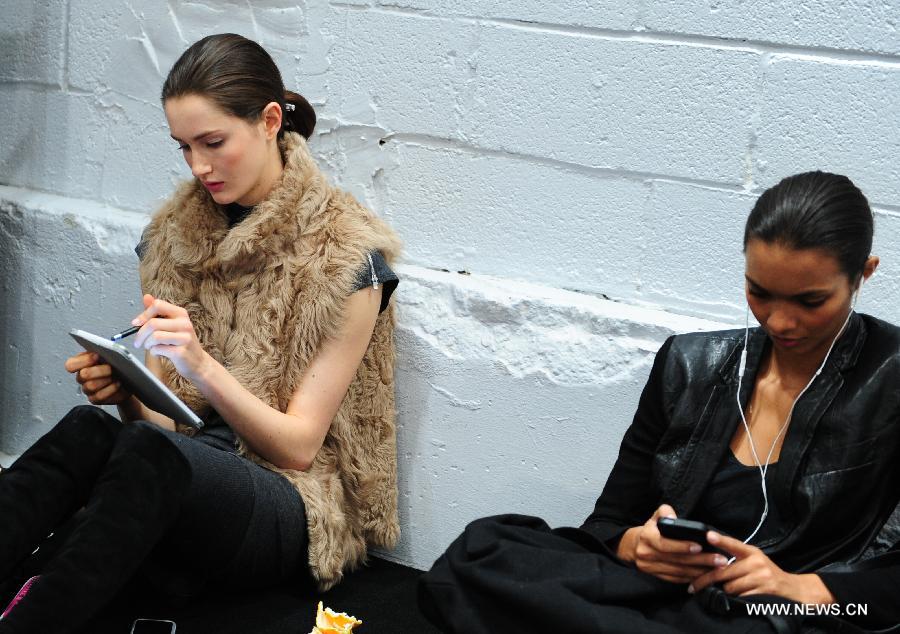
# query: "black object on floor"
382,595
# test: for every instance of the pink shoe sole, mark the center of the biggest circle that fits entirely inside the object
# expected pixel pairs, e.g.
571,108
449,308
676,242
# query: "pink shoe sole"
19,596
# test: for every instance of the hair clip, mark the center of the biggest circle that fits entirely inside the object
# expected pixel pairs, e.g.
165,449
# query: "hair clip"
290,107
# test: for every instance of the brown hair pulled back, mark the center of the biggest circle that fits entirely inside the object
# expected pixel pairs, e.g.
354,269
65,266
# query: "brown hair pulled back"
240,77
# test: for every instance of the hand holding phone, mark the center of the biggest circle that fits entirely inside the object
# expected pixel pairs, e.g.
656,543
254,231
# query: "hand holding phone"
690,531
670,559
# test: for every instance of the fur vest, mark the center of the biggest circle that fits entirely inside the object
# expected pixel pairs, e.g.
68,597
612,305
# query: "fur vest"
262,297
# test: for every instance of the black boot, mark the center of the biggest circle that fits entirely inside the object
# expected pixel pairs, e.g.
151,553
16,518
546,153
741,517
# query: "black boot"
135,500
51,480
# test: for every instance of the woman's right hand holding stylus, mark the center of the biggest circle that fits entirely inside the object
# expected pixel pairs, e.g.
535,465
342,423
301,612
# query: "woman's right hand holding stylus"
97,380
672,560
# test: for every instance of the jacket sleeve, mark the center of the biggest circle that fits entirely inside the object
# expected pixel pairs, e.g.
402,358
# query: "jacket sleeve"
873,585
628,499
875,588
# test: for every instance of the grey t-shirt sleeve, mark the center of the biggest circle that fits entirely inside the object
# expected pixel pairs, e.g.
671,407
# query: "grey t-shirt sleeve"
141,247
364,277
381,272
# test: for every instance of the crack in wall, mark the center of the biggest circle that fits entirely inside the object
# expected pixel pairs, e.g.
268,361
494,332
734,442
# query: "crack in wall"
175,22
455,401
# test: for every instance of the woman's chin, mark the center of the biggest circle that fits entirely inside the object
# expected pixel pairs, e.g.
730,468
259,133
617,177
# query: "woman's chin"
222,198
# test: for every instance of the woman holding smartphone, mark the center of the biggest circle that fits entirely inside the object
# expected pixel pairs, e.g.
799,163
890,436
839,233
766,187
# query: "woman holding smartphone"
266,310
786,438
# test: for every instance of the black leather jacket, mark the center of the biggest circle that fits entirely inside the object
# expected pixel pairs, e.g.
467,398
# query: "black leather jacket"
838,482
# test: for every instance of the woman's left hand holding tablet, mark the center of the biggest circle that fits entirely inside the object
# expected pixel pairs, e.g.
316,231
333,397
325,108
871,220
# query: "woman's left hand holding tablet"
167,331
753,572
97,379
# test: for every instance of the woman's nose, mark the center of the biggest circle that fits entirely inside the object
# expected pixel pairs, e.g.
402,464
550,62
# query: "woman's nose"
198,163
781,322
200,168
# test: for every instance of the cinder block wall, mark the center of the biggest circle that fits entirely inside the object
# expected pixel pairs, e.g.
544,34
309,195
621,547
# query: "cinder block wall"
587,165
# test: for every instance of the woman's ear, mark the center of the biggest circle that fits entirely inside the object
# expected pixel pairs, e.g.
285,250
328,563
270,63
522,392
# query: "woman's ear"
271,117
869,267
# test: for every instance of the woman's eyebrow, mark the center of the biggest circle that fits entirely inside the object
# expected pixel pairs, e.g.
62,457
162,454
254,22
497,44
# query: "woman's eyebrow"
804,295
755,284
196,138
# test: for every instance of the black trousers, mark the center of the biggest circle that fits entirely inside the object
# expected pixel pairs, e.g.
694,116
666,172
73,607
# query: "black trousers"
512,573
240,525
221,520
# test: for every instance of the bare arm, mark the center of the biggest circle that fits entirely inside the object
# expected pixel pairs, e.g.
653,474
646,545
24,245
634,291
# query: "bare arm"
289,439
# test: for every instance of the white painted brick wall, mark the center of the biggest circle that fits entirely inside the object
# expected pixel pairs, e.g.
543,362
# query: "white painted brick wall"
639,107
559,152
830,112
850,25
506,206
32,41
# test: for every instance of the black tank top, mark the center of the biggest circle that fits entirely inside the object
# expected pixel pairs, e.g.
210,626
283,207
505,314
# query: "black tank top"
733,500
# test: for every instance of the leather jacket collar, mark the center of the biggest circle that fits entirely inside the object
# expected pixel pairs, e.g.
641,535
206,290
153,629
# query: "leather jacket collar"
843,436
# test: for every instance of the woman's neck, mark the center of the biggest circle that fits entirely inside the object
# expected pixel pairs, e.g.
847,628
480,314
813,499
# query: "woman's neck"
792,369
270,175
792,372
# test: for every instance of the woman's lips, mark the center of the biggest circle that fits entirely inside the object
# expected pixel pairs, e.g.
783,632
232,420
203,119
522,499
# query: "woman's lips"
214,186
785,342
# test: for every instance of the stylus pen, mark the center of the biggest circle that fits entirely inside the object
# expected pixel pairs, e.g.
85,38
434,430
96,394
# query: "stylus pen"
125,333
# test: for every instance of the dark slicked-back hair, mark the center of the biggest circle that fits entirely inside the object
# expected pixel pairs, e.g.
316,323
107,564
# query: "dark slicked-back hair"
816,210
240,77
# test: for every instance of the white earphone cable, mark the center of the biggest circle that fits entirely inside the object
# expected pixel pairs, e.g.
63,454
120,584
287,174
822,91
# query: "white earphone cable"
764,468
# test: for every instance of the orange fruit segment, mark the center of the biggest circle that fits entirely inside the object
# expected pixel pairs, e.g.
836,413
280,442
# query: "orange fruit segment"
330,622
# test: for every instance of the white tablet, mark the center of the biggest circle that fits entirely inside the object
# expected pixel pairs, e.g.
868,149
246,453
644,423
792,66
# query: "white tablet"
138,378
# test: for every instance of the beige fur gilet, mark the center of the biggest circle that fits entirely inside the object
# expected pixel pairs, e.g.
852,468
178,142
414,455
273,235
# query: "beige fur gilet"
263,296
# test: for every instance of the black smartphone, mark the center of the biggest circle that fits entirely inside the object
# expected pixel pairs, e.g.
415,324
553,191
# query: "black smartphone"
690,531
153,626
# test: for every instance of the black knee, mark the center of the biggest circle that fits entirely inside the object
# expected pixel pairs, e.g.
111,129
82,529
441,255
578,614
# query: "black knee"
73,453
157,450
88,422
86,435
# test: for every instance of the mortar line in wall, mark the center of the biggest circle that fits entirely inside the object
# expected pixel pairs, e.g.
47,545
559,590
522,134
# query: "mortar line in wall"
709,41
65,78
435,142
40,85
608,172
892,211
643,245
828,53
119,209
256,33
352,7
639,14
755,118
